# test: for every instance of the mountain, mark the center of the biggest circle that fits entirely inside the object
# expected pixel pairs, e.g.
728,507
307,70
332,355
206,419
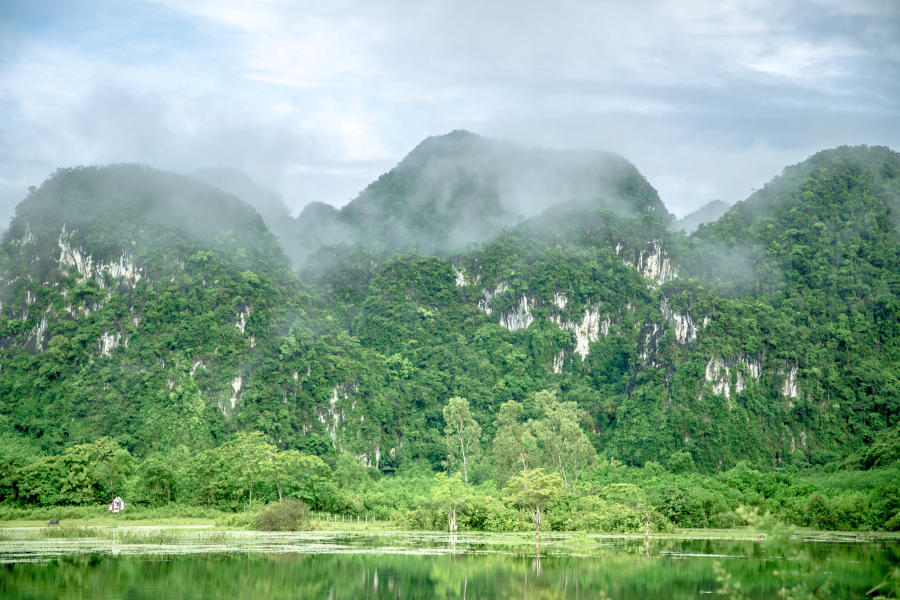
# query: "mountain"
267,203
134,302
162,311
709,212
461,188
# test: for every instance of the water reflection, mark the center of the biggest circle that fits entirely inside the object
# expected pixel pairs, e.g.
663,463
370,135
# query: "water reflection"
471,569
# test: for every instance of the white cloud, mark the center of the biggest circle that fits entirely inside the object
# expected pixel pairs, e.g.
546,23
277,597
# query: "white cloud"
316,99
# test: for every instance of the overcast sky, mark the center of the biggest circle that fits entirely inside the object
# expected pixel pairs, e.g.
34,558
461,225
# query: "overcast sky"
315,99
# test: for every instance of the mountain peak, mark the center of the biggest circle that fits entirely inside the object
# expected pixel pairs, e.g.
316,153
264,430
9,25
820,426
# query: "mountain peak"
460,188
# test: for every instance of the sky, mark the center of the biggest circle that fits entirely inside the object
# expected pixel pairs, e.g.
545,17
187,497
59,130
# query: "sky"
315,99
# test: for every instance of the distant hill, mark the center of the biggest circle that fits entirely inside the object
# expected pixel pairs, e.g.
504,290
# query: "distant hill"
268,204
461,188
707,213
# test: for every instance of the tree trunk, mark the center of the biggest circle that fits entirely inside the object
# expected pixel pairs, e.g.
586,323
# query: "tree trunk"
462,448
537,523
250,503
279,490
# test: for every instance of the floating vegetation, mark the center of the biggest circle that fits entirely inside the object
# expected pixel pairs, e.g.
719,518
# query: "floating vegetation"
71,532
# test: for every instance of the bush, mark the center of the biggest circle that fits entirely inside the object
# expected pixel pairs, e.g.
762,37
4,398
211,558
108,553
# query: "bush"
289,514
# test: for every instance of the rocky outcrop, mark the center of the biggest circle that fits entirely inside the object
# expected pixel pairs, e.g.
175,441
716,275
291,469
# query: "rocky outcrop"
685,327
237,385
488,296
517,317
587,330
558,362
652,262
122,270
110,341
789,388
719,374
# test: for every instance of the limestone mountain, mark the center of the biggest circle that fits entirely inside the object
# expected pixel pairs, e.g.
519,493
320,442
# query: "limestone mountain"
461,188
161,311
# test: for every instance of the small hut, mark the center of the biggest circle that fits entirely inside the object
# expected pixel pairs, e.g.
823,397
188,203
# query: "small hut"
116,505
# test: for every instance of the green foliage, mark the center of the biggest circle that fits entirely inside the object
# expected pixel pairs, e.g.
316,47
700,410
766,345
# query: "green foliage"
565,446
533,491
289,514
514,444
450,495
172,355
461,435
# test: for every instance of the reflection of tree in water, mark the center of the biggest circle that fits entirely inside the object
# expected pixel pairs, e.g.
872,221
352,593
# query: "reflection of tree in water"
587,569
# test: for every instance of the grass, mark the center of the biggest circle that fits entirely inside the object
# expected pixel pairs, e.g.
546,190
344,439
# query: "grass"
98,516
71,532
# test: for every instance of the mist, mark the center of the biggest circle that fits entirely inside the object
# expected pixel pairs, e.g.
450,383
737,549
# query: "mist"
315,102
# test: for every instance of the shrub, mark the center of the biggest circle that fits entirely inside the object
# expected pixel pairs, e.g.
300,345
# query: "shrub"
289,514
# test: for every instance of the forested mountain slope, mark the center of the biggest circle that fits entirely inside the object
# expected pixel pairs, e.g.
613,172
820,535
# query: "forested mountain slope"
461,188
160,311
149,307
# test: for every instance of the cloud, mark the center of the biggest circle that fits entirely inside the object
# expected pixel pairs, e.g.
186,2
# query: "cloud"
316,99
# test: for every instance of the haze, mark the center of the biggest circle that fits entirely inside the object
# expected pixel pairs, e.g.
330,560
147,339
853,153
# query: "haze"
315,100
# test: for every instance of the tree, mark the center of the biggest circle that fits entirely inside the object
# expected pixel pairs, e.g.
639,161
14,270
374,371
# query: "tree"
301,475
533,490
83,474
158,474
349,472
250,454
461,434
566,447
451,495
514,444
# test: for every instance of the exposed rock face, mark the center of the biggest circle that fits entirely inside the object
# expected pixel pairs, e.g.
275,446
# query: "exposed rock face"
650,343
462,278
488,297
789,388
653,263
685,327
236,385
752,368
242,317
110,341
718,372
123,269
331,417
587,331
558,361
27,237
560,300
39,335
197,364
518,317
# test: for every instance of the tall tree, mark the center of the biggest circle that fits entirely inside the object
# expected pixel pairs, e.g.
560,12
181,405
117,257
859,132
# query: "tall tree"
251,455
451,495
461,434
565,446
533,490
514,444
302,475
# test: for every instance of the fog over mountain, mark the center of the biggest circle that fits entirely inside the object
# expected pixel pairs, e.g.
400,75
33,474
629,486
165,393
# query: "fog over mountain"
315,102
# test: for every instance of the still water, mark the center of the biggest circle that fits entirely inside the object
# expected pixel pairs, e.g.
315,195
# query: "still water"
235,565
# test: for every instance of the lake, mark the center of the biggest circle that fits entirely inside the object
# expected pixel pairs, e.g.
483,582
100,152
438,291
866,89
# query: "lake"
168,563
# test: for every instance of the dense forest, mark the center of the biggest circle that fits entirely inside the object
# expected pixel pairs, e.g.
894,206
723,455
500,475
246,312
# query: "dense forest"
488,336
